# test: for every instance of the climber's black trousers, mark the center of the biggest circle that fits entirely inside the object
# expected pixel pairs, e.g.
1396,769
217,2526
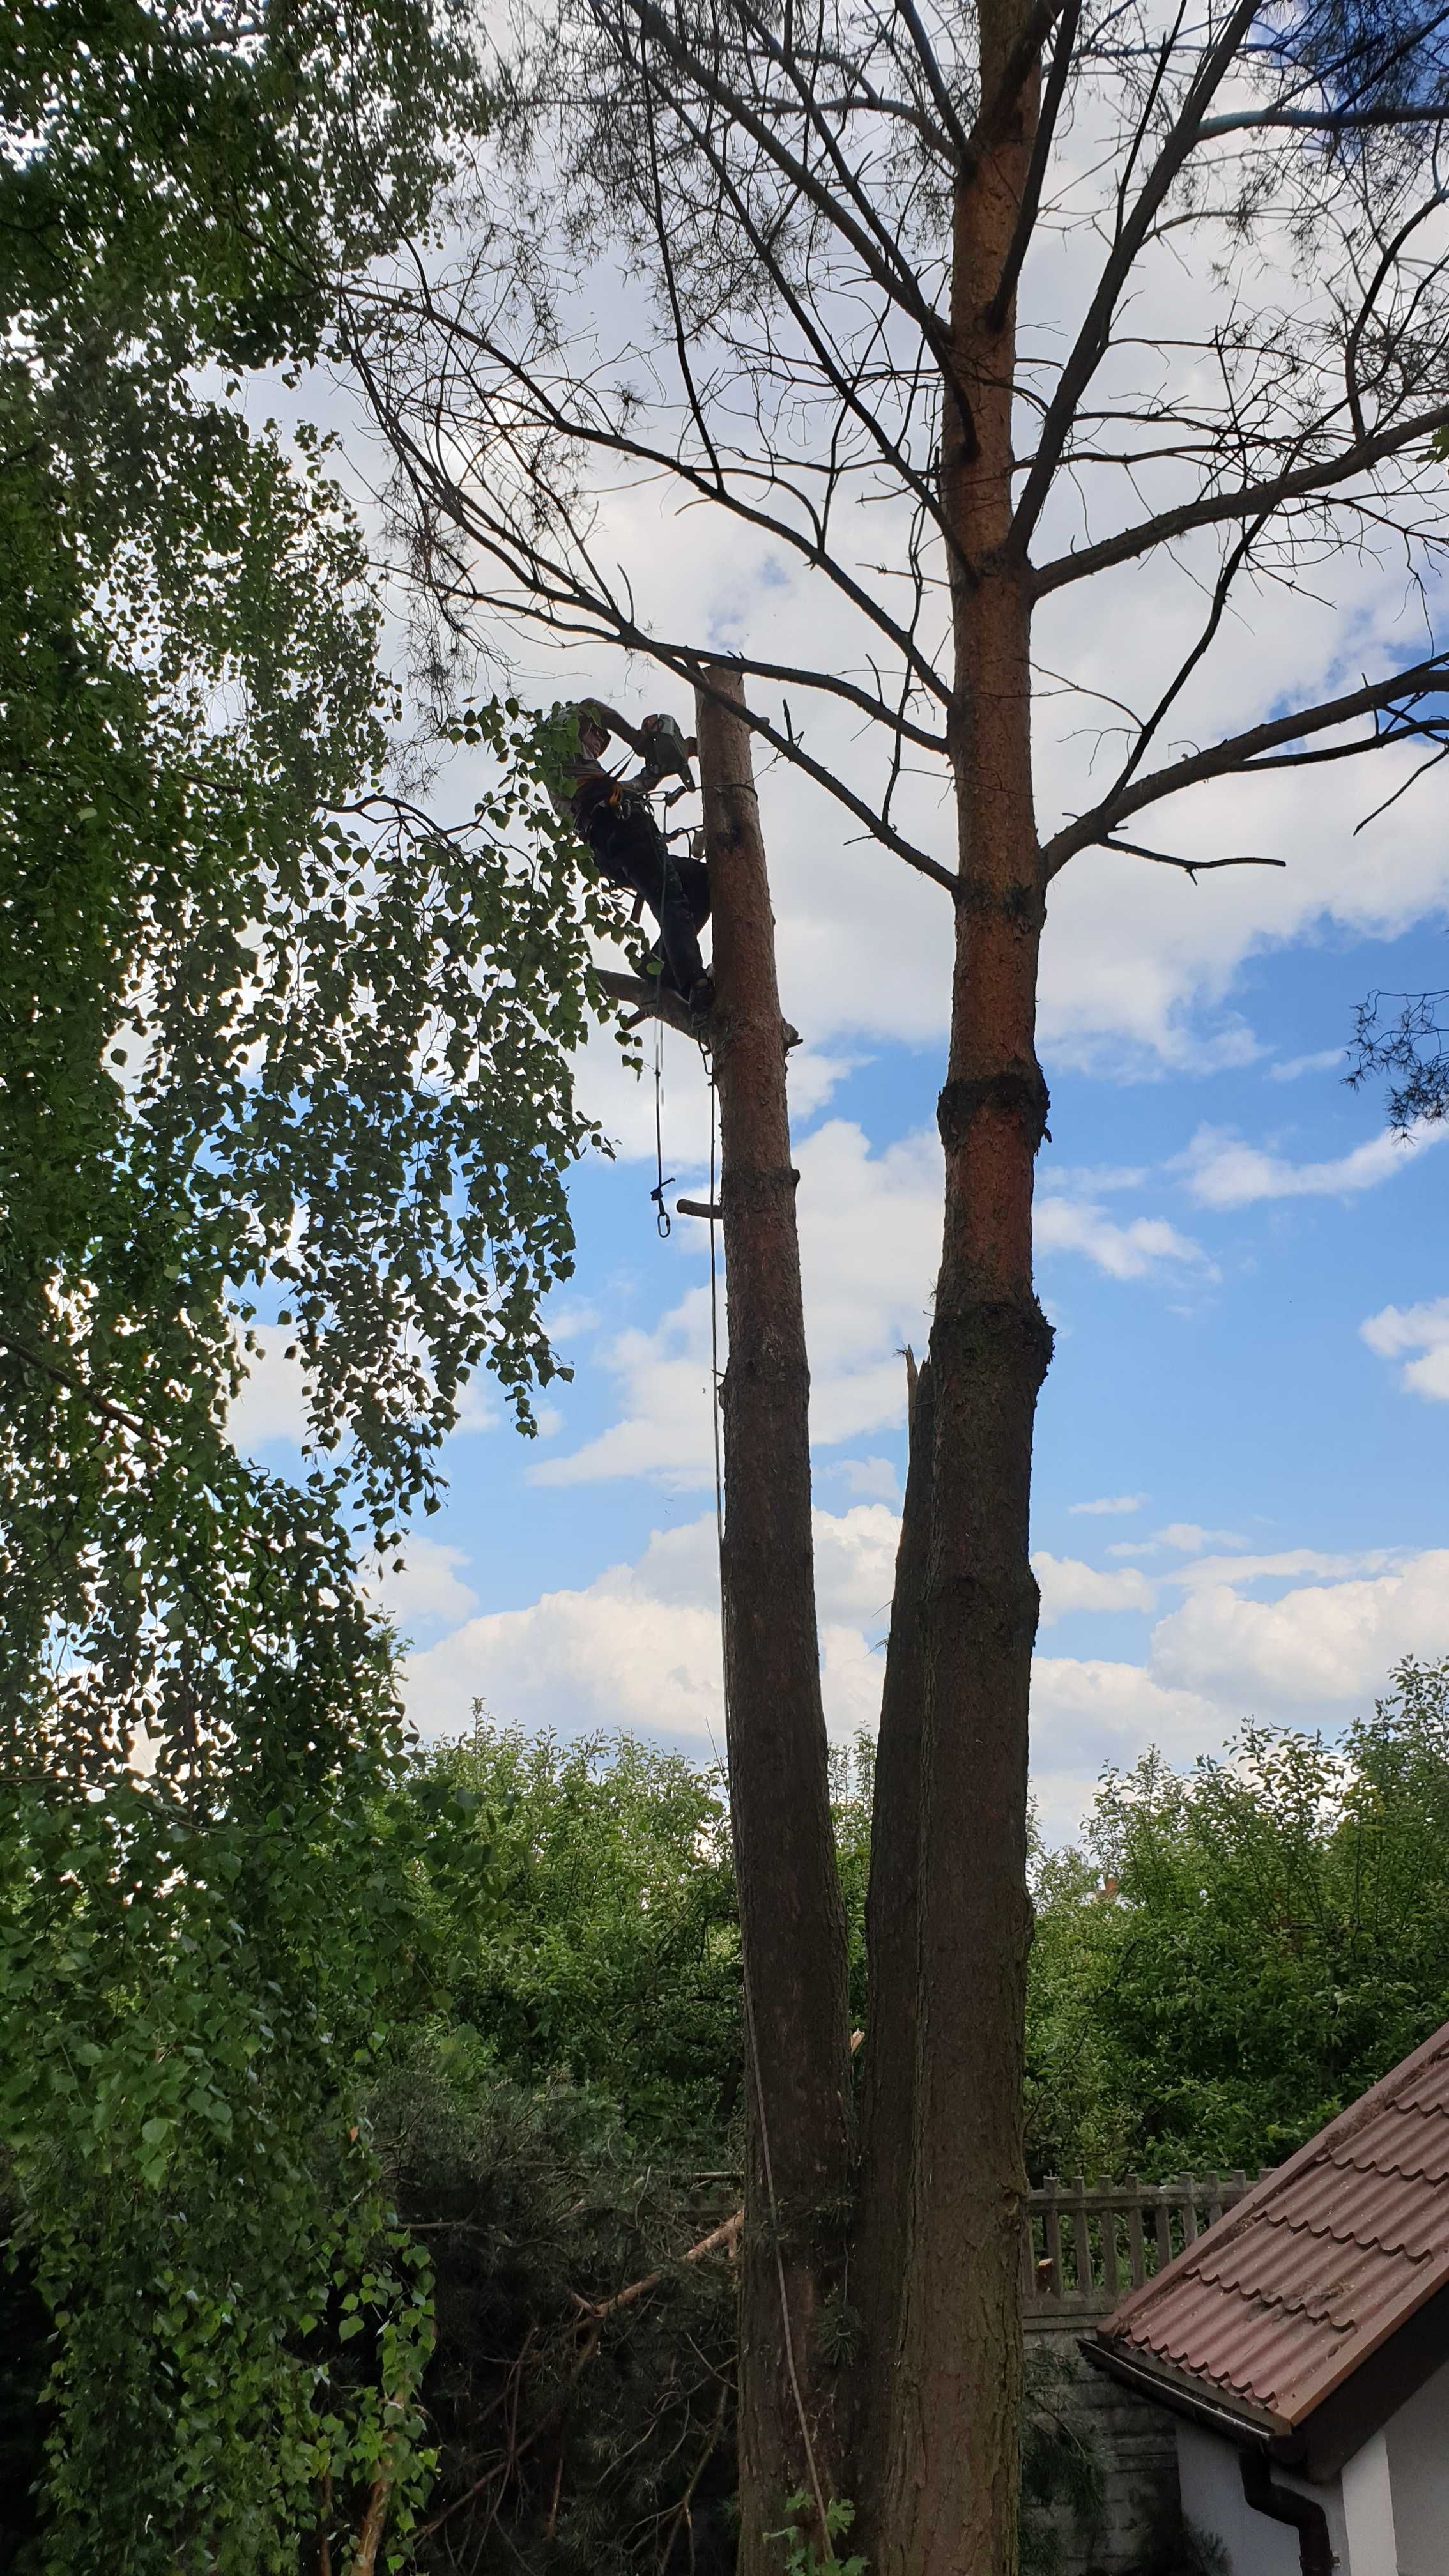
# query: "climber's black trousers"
630,850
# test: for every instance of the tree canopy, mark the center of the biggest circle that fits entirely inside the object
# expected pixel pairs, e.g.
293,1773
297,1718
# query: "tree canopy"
1242,1949
269,1031
263,1022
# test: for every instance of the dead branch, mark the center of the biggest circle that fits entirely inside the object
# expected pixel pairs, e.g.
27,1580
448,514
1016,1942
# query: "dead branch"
1249,501
720,2240
1094,337
1244,751
682,2510
1189,867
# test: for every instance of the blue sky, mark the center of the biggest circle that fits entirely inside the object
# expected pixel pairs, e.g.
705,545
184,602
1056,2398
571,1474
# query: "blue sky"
1247,1273
1215,1242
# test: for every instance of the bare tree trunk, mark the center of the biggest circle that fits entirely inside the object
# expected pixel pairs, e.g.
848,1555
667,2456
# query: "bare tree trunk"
892,1941
792,1920
956,2397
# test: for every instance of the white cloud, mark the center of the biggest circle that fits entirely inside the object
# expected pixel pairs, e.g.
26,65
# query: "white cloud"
1283,1567
1111,1503
1067,1585
869,1242
855,1565
1185,1536
1138,966
427,1589
569,1319
1085,1713
606,1656
1223,1172
480,1407
1424,1329
1323,1060
271,1403
874,1479
1323,1646
623,1102
815,1077
1122,1251
1137,962
1311,1658
640,1646
664,1390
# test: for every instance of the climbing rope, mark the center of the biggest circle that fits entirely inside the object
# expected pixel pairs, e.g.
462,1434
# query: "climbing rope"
746,1981
661,1212
812,2465
714,1384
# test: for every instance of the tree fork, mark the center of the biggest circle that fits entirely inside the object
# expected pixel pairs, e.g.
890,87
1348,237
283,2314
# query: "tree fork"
792,1920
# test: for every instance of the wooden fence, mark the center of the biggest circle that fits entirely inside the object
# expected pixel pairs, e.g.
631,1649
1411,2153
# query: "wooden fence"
1086,2245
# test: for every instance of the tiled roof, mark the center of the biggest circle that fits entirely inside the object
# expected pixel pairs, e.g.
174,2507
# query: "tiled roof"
1282,2299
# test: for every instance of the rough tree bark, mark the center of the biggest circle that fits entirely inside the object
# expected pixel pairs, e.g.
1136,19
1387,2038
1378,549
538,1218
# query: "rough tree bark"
888,2055
792,1921
952,2496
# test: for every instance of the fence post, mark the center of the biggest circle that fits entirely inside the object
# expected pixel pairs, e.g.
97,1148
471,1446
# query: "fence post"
1053,2237
1081,2239
1110,2272
1162,2221
1085,2277
1136,2249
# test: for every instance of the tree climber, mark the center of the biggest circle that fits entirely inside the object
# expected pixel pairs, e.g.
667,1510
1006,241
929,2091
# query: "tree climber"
615,821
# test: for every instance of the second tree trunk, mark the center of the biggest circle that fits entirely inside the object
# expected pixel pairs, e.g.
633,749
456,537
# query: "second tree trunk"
792,1920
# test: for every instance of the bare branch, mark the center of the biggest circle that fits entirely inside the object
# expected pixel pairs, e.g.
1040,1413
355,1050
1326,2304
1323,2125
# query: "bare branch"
1189,867
1153,724
1241,752
1248,501
882,262
633,447
1093,338
1328,120
1424,767
945,104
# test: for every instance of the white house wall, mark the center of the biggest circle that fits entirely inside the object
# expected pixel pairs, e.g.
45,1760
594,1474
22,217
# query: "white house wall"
1368,2511
1418,2449
1210,2477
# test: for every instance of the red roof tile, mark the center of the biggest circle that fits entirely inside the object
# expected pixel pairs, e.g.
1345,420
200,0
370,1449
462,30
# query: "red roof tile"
1281,2300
